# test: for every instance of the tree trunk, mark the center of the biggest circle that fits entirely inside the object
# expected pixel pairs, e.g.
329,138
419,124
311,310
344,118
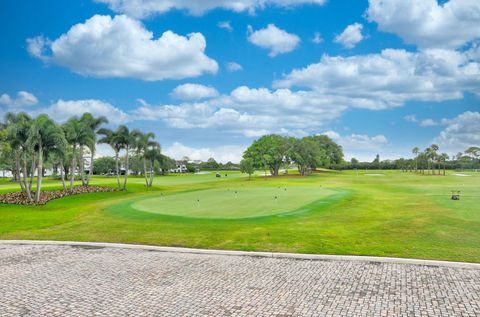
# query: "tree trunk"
62,174
90,173
82,166
18,175
145,171
152,172
25,177
73,167
39,174
126,170
32,175
117,168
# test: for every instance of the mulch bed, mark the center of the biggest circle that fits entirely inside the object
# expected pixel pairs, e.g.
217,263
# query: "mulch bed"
19,198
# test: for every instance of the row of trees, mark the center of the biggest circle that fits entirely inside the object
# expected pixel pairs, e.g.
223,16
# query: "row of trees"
28,143
427,162
272,152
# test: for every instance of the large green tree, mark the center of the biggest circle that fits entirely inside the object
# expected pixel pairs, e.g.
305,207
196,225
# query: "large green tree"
333,151
247,166
307,154
269,152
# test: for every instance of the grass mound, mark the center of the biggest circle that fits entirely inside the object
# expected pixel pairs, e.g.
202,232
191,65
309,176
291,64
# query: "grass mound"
233,203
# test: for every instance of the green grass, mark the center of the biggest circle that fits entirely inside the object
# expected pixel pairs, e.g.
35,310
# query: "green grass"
232,203
399,214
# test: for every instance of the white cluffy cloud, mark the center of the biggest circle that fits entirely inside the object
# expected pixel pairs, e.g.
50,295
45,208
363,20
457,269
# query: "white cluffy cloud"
460,133
193,92
226,25
351,36
224,154
249,111
62,110
276,40
360,146
426,122
122,47
317,38
428,23
391,78
145,8
24,98
234,67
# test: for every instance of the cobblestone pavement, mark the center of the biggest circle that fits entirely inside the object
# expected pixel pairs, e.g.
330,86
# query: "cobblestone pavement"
87,281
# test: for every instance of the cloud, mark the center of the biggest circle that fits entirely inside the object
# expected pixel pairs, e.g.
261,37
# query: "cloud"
361,146
391,78
428,23
146,8
122,47
426,122
317,38
249,111
276,40
226,25
351,36
461,132
234,67
62,110
224,154
355,142
24,98
193,92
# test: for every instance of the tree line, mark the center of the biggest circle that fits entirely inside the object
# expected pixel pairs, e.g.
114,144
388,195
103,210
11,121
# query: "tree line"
28,143
272,152
427,162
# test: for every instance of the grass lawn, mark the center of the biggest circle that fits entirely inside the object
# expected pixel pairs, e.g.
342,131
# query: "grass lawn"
382,213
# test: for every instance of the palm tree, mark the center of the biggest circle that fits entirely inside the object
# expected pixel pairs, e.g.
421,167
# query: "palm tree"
120,139
415,152
443,158
143,143
18,126
94,124
77,134
44,136
434,148
153,154
110,138
127,139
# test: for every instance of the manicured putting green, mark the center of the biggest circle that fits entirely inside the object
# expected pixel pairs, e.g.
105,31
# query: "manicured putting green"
234,203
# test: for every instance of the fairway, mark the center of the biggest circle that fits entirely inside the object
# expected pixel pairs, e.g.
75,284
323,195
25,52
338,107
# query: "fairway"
397,215
236,202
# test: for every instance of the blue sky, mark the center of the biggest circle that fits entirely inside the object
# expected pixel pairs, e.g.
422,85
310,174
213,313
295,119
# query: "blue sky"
377,76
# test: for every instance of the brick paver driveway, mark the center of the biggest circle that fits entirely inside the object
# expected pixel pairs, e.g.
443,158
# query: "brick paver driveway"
85,281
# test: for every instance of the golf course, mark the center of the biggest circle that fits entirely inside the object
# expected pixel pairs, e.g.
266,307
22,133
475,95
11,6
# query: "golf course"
379,213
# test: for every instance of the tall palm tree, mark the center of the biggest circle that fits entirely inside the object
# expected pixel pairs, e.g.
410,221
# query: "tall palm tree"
127,139
18,126
44,136
143,143
434,148
415,152
443,158
94,124
77,133
120,139
110,138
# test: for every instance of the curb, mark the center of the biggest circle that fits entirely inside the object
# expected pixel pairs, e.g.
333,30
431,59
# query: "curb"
297,256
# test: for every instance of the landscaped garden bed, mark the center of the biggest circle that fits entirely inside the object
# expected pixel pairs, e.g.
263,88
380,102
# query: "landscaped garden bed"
20,198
